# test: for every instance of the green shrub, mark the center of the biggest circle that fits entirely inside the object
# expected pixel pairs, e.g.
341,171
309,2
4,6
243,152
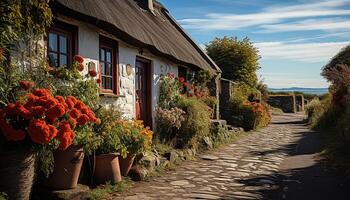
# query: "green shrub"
255,115
196,124
315,109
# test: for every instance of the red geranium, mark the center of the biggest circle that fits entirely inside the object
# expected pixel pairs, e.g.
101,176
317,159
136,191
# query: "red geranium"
26,85
93,73
66,139
181,79
98,81
40,132
78,58
81,67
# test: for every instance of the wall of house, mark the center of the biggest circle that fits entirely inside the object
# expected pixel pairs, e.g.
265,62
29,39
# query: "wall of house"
88,46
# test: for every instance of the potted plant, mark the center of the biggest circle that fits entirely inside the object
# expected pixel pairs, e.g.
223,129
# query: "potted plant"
68,162
135,138
37,120
106,159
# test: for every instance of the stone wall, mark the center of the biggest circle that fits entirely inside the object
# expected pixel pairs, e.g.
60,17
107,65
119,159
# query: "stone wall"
214,89
299,100
285,102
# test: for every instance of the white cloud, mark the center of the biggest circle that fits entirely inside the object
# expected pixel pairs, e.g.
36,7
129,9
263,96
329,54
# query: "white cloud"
331,24
305,52
268,16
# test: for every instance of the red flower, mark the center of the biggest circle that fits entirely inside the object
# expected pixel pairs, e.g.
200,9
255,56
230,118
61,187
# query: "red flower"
83,119
74,113
72,122
73,99
38,110
11,109
64,126
11,133
55,111
79,105
26,85
93,73
78,58
66,139
23,112
92,116
40,132
81,67
171,75
181,79
98,81
42,93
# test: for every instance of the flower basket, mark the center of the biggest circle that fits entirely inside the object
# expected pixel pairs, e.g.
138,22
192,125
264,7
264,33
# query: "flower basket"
126,163
67,168
17,170
107,168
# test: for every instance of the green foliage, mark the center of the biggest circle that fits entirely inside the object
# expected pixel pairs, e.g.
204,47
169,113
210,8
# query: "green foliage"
238,59
169,92
196,124
202,78
107,190
3,196
314,111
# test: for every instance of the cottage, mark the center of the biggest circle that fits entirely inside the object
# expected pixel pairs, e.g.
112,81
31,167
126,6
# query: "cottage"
131,43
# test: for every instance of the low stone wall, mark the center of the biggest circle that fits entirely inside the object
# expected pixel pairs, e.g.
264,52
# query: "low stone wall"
285,102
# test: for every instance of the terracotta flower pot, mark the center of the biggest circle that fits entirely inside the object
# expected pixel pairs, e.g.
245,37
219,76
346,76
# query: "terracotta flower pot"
126,164
67,168
17,169
107,168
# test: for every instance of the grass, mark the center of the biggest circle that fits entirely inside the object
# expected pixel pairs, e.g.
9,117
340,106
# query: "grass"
105,191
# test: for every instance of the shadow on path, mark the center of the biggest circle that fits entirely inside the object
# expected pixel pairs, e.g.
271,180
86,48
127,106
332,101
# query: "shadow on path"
304,174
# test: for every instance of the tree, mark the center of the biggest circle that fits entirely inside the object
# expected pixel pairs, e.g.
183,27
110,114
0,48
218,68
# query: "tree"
238,59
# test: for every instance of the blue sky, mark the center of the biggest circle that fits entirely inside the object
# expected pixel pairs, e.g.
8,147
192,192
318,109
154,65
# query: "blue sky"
295,38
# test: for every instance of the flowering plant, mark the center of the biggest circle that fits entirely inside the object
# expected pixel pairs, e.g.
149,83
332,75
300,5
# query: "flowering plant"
169,122
255,115
41,118
134,136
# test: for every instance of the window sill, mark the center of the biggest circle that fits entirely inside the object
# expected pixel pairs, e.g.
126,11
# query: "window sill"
111,95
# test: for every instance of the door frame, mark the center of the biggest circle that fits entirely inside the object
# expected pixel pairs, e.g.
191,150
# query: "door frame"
148,77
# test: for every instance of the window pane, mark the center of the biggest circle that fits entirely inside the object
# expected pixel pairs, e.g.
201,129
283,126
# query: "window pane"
104,82
109,56
109,83
102,55
53,59
52,42
63,60
109,69
103,69
63,44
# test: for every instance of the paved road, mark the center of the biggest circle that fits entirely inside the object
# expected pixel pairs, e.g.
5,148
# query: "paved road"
281,161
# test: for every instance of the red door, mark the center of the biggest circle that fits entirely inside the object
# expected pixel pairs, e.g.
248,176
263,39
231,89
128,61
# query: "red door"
143,91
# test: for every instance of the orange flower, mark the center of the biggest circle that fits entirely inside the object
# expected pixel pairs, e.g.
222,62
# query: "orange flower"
64,126
74,113
40,132
38,110
66,139
78,58
10,133
26,85
55,111
42,93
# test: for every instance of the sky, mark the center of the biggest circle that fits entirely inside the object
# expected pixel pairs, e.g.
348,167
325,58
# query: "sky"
296,38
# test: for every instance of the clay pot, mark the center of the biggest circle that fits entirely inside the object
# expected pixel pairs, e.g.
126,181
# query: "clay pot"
67,168
17,169
107,168
126,164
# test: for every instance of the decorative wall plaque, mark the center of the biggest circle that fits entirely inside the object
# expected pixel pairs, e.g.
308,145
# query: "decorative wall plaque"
128,69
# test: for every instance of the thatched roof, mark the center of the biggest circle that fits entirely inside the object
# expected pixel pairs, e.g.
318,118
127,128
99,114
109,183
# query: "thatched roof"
159,33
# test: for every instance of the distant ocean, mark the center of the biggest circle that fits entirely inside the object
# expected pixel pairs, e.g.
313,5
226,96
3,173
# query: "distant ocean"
317,91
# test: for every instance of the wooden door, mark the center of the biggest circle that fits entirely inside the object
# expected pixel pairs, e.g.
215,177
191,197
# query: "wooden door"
143,91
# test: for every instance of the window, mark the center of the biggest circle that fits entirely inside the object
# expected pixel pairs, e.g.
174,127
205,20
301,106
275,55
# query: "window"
108,65
61,44
182,71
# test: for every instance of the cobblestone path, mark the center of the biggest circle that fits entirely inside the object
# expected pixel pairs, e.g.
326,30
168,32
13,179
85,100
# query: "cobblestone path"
246,169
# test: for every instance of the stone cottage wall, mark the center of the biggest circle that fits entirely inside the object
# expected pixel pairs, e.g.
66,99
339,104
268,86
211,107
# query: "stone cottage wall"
285,102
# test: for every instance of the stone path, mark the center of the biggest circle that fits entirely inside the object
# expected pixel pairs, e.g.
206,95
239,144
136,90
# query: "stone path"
247,169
